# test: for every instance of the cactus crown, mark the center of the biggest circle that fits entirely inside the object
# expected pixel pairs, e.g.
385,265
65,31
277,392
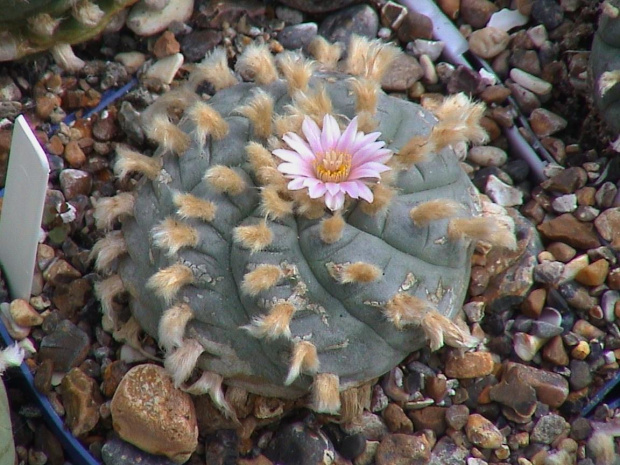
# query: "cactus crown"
305,231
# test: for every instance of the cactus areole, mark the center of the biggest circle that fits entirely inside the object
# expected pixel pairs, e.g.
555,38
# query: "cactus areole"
298,234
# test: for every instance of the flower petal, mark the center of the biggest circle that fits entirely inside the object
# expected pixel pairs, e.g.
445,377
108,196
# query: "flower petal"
330,133
367,170
348,137
362,140
371,152
365,192
296,183
299,145
332,187
297,169
351,188
334,202
317,190
313,134
288,155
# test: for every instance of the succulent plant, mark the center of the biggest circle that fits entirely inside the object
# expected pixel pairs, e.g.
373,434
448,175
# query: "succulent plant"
605,64
299,233
30,26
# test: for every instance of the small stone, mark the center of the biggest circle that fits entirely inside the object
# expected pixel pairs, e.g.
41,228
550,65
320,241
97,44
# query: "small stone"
580,375
495,94
608,226
432,417
9,91
513,392
565,203
606,195
149,412
352,446
548,272
289,15
436,388
527,100
166,45
75,182
199,42
67,346
415,26
477,13
482,433
465,79
43,376
474,311
470,365
23,314
503,194
594,274
534,302
609,301
129,122
487,156
297,36
132,61
302,444
561,251
532,83
118,452
456,416
145,21
81,400
488,42
544,123
358,19
581,350
548,428
551,388
566,228
402,74
396,420
555,352
112,376
318,6
403,449
430,48
566,181
74,154
369,425
547,12
580,429
165,69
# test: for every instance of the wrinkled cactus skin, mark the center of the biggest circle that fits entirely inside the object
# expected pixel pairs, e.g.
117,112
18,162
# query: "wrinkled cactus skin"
605,57
345,322
18,38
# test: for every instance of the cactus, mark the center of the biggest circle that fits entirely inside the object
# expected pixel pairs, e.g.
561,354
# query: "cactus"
30,26
257,271
605,64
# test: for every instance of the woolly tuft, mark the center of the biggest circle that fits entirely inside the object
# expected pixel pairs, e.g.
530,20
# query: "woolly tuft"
326,393
106,290
273,325
182,361
366,92
325,53
459,120
482,229
433,210
167,282
296,70
607,80
416,150
87,13
382,196
208,122
160,129
332,228
172,326
43,24
255,237
288,123
129,161
358,272
225,180
190,206
260,112
370,58
315,104
273,205
107,250
257,63
260,279
304,359
264,166
172,235
211,383
213,69
109,209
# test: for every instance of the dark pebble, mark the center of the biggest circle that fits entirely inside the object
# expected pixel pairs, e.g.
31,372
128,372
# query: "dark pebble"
580,429
465,80
548,12
318,6
352,446
66,347
518,170
299,444
297,36
118,452
580,375
198,43
360,19
129,121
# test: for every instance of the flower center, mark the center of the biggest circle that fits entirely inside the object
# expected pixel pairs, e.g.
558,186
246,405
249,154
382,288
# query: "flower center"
333,166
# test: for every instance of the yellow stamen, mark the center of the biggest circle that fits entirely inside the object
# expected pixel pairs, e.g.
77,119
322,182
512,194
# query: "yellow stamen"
333,166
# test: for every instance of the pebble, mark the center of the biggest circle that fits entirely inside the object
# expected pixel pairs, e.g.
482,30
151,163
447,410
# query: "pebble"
74,155
432,418
145,21
555,352
456,416
477,13
132,61
67,346
548,428
594,274
24,314
507,19
289,15
561,251
551,388
352,446
535,84
369,425
129,122
199,42
300,444
547,12
548,272
166,45
75,182
580,375
503,194
358,19
608,304
487,155
397,420
568,229
489,42
527,101
544,122
403,449
118,452
565,203
470,365
608,226
581,350
298,35
149,412
318,6
482,433
447,452
81,400
9,91
165,69
430,48
403,73
415,26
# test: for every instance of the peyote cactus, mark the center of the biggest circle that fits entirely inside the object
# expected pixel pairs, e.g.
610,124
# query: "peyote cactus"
303,232
29,26
605,64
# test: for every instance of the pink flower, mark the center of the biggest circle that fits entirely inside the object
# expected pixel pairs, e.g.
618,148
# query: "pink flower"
332,164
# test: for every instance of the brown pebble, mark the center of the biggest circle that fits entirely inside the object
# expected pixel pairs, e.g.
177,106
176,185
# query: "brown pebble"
477,12
587,330
594,274
397,420
566,228
561,251
586,196
45,105
534,303
488,42
613,279
544,123
581,350
403,449
512,391
551,388
456,416
450,8
470,365
436,388
608,226
483,433
415,26
496,94
24,314
166,45
433,418
555,352
112,376
566,181
74,154
43,376
81,400
55,145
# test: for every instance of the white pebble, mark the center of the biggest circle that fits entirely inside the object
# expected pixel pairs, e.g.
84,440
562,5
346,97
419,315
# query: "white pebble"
166,68
507,19
430,74
565,203
488,42
487,155
432,48
131,60
503,194
538,35
532,83
145,21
